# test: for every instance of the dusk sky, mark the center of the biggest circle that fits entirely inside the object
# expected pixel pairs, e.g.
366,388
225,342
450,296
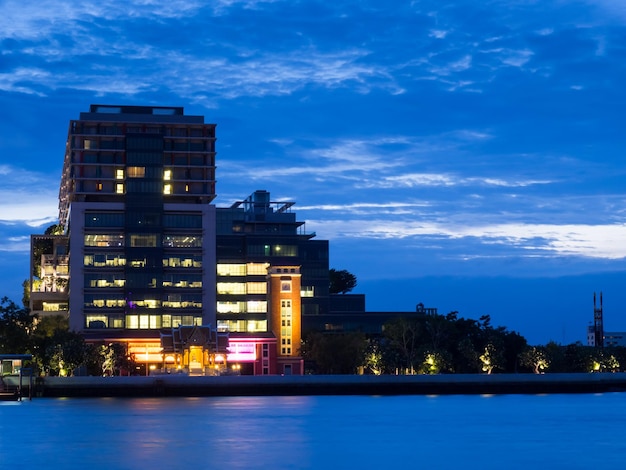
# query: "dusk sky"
468,155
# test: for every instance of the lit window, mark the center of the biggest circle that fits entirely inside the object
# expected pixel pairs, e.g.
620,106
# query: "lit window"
231,269
167,175
257,268
136,171
119,174
186,188
167,189
231,288
257,288
119,188
257,306
99,186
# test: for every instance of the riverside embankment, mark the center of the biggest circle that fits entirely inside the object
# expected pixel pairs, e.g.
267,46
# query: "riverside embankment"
178,385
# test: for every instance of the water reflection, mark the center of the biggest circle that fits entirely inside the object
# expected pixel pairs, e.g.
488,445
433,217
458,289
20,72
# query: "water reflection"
314,432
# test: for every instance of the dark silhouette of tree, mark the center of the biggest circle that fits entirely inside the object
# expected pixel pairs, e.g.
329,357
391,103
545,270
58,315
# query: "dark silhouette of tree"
335,353
341,281
405,340
16,326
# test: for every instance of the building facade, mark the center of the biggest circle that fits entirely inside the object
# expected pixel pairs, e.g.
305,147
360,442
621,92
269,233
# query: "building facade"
135,202
269,272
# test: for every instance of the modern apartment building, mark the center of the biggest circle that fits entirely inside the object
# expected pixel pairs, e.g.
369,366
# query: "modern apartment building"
144,258
135,202
269,272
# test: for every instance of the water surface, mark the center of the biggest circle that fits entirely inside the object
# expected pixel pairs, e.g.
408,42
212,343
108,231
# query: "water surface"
329,432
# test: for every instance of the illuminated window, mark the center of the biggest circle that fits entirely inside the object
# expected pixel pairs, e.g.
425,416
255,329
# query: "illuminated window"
257,288
155,322
99,186
167,189
186,188
182,241
119,174
257,268
136,171
167,175
104,240
231,288
97,321
119,188
231,269
231,307
132,322
307,291
257,306
147,240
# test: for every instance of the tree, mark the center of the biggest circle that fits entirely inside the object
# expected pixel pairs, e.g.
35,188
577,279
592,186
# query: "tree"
341,281
16,326
335,353
404,337
66,351
535,358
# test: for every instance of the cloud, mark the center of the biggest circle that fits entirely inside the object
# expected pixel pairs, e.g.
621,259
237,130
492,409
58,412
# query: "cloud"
522,239
411,180
27,197
343,159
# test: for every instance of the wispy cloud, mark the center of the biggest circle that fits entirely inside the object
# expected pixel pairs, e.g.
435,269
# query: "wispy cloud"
27,197
593,241
412,180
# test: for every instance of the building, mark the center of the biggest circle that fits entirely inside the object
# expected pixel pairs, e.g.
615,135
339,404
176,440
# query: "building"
142,256
270,271
135,204
610,339
49,275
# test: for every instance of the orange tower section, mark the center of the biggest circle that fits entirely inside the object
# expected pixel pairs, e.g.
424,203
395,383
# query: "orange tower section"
285,317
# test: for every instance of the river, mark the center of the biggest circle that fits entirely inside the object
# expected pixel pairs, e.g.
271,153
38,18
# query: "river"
573,431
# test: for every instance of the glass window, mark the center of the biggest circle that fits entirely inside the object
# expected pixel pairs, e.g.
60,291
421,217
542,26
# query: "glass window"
143,240
97,321
231,307
132,322
307,291
119,188
257,287
182,241
119,174
257,269
257,306
232,288
182,220
104,219
231,269
136,171
104,239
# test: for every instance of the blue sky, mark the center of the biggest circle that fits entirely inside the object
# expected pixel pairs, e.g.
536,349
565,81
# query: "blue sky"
467,155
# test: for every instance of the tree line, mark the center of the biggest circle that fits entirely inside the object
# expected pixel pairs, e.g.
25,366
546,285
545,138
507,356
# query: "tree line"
55,349
429,344
438,344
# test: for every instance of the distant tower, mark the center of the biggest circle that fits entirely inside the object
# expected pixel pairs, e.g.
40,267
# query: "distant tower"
598,326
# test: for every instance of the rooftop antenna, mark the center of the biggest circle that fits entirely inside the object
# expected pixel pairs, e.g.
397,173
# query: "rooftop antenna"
598,326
